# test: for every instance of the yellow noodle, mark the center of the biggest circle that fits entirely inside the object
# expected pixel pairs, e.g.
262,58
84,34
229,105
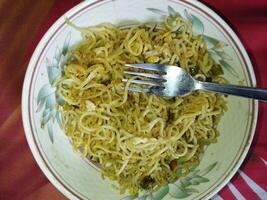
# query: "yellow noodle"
138,139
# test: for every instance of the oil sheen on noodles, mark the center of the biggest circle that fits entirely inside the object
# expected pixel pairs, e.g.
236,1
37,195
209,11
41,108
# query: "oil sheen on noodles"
141,141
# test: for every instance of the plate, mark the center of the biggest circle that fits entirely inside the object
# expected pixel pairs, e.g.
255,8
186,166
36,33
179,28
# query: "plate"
78,178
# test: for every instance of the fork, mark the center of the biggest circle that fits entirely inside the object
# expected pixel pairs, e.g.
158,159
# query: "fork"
175,81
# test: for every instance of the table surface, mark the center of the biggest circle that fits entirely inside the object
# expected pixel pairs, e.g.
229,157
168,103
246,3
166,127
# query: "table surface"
22,24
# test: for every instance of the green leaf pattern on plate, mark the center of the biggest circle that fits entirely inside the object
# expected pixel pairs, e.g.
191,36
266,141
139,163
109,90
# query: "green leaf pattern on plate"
215,47
172,12
228,67
128,198
207,169
53,73
179,189
177,192
50,132
197,25
160,193
47,98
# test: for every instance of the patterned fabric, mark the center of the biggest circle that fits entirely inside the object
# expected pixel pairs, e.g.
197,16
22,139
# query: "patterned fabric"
20,177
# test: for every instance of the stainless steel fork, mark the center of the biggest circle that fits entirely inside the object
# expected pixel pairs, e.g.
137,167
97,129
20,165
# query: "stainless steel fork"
174,81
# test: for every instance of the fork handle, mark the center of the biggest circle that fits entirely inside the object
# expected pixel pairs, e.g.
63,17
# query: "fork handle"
242,91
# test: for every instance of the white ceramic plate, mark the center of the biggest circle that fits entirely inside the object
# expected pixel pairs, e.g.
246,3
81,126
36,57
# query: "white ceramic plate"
76,177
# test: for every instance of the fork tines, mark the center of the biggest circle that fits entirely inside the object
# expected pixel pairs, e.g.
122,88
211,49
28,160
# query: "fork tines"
157,82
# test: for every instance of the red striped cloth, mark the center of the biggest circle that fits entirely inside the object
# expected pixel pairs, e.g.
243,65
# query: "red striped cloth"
23,180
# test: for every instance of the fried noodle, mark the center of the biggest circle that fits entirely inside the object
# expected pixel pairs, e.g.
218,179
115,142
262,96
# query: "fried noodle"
138,139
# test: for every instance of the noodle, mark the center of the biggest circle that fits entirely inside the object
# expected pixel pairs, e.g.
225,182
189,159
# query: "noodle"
138,139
